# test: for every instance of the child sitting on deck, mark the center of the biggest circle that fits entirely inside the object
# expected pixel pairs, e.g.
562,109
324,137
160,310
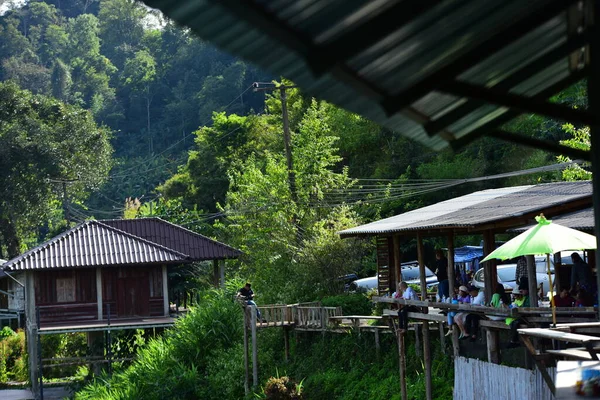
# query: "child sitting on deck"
462,298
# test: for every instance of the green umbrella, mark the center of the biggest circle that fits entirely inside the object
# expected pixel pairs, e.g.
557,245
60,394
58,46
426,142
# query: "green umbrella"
544,238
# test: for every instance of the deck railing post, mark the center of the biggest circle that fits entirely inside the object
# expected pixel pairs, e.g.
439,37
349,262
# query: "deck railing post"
254,347
246,363
39,353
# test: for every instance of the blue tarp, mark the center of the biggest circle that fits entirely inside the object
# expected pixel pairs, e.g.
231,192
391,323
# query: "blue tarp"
467,253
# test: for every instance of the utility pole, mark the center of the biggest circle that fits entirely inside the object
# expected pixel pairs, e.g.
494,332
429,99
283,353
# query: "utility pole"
287,140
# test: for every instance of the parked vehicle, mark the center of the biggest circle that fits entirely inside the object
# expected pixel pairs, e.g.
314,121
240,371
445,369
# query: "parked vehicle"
410,274
506,272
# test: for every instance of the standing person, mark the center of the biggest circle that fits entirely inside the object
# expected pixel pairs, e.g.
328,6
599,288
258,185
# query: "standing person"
521,270
407,294
441,271
247,294
581,274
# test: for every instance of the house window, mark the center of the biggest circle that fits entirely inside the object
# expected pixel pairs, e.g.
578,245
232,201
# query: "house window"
65,290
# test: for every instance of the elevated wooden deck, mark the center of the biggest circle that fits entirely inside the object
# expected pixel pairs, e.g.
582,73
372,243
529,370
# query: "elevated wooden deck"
103,325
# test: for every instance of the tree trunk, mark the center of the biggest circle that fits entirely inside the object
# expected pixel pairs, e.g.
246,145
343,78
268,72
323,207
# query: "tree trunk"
11,240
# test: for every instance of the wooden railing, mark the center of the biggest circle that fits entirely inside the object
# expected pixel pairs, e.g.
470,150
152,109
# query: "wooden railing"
533,315
300,315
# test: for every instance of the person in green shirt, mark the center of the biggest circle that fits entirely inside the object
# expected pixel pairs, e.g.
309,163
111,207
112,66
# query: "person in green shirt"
520,299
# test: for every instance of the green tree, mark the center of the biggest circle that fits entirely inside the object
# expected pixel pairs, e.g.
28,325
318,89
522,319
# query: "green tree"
45,147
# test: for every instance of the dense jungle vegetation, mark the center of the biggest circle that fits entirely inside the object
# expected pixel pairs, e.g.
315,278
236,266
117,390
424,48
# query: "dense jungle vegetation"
107,110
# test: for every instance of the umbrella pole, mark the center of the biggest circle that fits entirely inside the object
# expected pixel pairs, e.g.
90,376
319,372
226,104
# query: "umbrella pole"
551,291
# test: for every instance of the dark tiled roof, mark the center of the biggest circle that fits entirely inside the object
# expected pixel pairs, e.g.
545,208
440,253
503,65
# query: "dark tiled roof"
122,242
582,220
479,209
175,237
92,244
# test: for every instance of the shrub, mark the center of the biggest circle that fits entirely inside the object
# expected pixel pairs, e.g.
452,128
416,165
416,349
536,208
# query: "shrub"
352,303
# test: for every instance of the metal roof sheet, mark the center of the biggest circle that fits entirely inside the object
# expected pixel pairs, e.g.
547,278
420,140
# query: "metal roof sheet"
391,61
92,244
479,208
197,247
582,220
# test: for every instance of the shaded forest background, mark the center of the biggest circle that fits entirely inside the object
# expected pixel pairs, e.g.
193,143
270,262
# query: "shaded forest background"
182,135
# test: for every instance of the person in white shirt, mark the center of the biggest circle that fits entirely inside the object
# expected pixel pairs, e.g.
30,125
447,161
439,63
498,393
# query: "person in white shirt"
407,294
472,320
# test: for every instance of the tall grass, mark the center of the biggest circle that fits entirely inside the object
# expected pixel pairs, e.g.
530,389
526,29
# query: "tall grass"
183,364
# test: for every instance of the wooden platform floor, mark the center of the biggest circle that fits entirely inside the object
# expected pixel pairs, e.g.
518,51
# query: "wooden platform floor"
115,324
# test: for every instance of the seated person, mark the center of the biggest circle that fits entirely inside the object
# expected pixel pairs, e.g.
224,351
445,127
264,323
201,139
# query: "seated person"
564,298
246,294
519,300
471,326
407,294
462,298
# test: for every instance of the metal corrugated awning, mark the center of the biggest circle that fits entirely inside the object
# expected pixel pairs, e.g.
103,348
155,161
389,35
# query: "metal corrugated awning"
439,72
475,212
582,220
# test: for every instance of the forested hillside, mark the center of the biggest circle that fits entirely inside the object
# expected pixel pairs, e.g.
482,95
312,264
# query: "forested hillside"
186,127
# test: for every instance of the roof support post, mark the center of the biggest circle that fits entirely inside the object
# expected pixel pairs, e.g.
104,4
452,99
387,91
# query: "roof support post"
99,300
594,108
165,290
533,283
216,273
31,324
491,274
451,277
397,261
426,350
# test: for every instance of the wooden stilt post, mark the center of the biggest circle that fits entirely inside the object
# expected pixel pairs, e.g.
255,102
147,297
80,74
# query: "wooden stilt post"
442,337
491,281
397,261
417,340
377,344
455,343
451,277
254,346
426,348
401,362
532,279
286,343
216,273
246,358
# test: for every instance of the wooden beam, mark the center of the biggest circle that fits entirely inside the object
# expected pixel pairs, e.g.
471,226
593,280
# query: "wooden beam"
486,128
490,276
573,43
397,260
499,39
165,290
99,292
541,144
286,343
493,348
517,102
401,362
532,279
426,344
539,365
254,346
366,34
593,90
451,277
246,356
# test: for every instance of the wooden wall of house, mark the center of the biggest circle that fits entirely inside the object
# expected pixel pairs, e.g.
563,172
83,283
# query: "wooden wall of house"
70,295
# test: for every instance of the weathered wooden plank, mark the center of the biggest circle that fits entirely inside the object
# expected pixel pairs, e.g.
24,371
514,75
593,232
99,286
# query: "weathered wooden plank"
558,335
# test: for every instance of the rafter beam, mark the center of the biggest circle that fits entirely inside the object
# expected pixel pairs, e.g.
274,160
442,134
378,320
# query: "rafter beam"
518,102
483,50
572,44
367,34
508,116
541,144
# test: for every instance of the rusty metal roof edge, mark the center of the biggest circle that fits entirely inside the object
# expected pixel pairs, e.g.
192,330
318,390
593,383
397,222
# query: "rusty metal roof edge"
216,242
11,263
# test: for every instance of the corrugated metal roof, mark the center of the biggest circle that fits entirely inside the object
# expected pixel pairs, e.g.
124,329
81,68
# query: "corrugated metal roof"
480,208
92,244
392,61
582,220
175,237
